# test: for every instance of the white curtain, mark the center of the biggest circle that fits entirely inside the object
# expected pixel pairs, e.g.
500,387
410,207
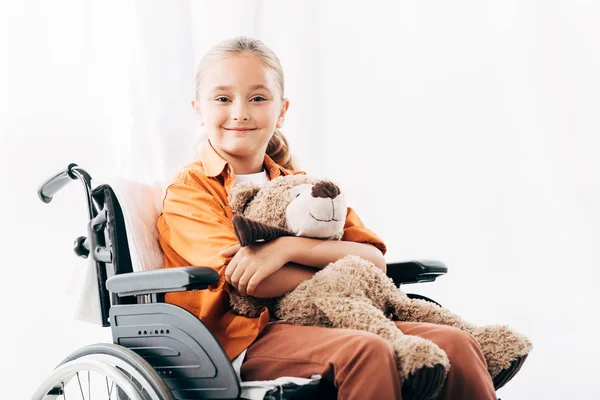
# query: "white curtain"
463,131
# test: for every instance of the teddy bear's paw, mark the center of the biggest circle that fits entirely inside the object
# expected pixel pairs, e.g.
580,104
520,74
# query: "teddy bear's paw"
414,353
247,306
425,383
422,365
508,373
502,347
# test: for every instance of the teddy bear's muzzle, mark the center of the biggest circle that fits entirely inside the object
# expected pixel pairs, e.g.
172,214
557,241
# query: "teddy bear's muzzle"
327,209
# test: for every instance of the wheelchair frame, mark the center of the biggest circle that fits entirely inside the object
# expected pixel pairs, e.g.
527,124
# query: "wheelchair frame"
173,341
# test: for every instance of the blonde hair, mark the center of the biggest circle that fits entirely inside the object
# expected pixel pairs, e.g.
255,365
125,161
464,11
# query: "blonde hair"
278,148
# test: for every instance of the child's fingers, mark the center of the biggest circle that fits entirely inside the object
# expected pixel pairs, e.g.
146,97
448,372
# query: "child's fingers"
236,275
257,278
230,269
243,282
230,251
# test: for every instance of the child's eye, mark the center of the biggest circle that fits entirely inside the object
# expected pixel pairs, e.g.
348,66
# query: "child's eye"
222,99
258,98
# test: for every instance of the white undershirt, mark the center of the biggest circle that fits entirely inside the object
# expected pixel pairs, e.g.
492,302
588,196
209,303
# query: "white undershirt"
259,177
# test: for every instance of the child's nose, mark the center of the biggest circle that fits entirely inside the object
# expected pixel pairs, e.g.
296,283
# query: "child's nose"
240,113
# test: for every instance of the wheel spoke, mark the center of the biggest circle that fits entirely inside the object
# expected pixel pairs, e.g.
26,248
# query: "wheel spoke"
89,387
107,388
80,388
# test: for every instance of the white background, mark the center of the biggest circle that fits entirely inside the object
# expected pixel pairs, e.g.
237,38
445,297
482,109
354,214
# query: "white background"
463,131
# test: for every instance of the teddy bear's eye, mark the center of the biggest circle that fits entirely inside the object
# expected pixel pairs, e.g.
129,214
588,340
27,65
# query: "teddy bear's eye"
298,190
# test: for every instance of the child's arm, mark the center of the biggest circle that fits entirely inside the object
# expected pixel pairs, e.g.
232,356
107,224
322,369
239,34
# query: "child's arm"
275,268
320,253
313,255
283,281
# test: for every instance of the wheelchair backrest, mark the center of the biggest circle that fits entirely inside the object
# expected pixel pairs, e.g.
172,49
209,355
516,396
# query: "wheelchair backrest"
140,205
130,233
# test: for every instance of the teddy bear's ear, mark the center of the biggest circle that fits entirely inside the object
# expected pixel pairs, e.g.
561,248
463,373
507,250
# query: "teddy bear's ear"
241,195
249,231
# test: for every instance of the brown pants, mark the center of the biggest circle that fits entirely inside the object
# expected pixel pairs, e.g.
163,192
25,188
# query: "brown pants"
362,365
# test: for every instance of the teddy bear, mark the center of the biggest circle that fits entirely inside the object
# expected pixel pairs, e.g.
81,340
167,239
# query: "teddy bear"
352,293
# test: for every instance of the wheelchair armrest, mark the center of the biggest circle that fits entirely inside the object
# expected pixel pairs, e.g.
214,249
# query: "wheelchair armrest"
165,280
415,271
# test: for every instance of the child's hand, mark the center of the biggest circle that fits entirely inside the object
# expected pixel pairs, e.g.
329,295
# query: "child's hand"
250,265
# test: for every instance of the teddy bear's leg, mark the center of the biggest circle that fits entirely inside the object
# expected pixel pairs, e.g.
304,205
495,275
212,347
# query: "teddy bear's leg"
503,348
421,363
407,309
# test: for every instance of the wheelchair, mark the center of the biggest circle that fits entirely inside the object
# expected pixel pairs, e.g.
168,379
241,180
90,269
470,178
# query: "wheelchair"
159,351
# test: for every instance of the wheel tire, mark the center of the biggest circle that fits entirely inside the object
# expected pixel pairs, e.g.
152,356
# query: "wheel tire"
130,357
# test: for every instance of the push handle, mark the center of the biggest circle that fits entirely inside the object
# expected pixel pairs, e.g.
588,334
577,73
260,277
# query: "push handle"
57,182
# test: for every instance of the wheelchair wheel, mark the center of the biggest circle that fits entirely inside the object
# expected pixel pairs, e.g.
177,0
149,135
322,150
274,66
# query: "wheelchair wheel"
104,371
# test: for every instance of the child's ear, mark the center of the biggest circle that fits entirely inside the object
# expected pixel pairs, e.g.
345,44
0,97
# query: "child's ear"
284,108
196,107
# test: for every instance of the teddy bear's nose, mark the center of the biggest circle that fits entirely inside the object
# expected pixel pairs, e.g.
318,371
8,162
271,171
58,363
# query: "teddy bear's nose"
325,189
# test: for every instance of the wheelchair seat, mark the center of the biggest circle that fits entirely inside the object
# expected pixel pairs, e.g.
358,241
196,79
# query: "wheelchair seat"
171,349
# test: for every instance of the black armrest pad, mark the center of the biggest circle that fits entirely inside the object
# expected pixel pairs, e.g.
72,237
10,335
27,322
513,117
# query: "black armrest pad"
162,281
416,271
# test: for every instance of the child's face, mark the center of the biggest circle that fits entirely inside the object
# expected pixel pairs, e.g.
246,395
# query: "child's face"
240,105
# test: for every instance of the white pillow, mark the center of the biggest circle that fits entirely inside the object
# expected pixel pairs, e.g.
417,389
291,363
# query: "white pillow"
141,204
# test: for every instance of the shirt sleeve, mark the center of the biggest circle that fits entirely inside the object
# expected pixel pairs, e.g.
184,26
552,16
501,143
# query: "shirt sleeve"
355,231
195,228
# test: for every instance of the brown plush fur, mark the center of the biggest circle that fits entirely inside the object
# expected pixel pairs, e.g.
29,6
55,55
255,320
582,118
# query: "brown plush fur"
353,293
267,206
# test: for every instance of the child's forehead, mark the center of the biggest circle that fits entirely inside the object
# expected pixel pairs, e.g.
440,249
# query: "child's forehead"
239,72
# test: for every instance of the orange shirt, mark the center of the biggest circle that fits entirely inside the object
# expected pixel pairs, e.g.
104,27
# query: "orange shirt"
195,224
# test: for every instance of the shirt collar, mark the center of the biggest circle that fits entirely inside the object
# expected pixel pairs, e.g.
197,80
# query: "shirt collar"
214,165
